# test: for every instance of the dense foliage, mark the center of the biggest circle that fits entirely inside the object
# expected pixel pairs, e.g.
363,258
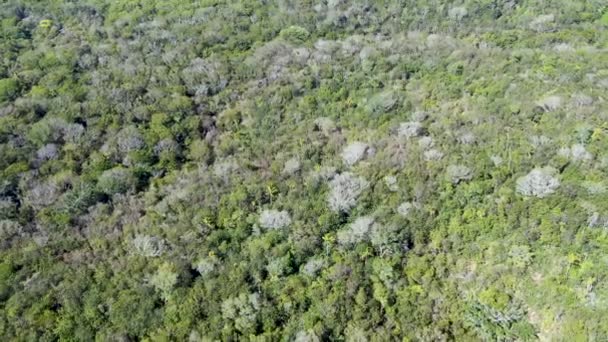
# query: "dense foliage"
416,170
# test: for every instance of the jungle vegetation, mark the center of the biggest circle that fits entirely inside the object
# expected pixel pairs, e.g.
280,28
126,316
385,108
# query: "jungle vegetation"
282,170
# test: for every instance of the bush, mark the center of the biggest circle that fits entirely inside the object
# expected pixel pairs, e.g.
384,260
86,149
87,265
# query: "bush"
116,181
8,208
148,246
274,219
165,279
43,194
404,209
325,125
295,34
432,154
306,336
538,183
357,231
8,89
200,151
409,129
291,166
129,139
457,13
47,152
391,183
47,130
595,188
313,266
382,103
353,153
550,103
9,229
581,100
458,173
206,265
81,197
345,188
575,153
242,310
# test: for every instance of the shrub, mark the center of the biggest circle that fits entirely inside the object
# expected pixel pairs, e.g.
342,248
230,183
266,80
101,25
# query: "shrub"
409,129
200,151
345,188
497,160
306,336
47,152
47,130
116,181
368,52
563,47
382,102
466,138
584,134
313,266
581,100
45,24
391,183
274,219
79,198
9,229
420,116
353,153
206,265
205,77
322,174
426,142
73,133
165,279
295,34
432,154
43,194
129,139
575,153
166,147
291,166
148,246
325,125
242,310
8,208
357,231
604,19
550,103
542,22
457,13
595,188
225,167
8,89
538,183
458,173
405,208
538,141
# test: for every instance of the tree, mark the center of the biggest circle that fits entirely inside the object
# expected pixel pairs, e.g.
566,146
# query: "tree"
8,89
345,188
165,279
116,181
540,182
274,219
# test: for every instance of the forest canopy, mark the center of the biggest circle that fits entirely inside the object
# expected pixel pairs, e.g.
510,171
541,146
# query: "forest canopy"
413,170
